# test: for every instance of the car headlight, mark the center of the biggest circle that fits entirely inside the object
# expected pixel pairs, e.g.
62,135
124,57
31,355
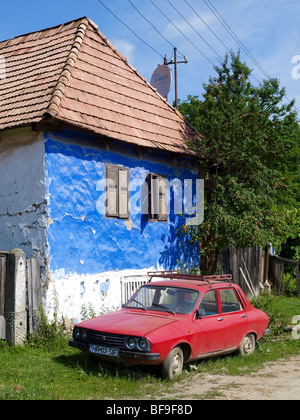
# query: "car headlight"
77,333
143,344
80,334
131,343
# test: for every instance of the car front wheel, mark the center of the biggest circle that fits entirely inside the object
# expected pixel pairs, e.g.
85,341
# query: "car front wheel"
247,345
172,366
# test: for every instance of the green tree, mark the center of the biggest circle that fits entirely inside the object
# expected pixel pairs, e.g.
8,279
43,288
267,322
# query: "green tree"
247,137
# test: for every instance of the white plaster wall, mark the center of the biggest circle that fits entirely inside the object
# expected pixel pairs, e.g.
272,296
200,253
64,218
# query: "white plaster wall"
68,294
23,218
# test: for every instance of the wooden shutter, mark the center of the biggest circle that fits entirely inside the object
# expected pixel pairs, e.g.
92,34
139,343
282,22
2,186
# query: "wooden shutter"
154,197
124,193
163,199
112,186
158,197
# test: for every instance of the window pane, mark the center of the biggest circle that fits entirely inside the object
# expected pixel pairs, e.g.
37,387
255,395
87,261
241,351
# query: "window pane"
229,301
209,304
164,299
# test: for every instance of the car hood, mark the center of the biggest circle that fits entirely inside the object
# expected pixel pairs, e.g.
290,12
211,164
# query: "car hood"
129,322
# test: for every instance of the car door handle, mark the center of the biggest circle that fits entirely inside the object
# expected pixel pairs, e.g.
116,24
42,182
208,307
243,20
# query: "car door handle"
243,316
220,319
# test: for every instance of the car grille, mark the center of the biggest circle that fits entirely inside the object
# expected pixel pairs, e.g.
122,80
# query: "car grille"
105,339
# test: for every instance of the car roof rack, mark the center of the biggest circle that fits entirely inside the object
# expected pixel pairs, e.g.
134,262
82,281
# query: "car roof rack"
197,277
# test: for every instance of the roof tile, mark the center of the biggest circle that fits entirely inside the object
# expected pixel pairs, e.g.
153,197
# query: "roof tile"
71,73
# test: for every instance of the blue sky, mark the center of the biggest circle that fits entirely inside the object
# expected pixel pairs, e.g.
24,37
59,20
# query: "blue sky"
268,29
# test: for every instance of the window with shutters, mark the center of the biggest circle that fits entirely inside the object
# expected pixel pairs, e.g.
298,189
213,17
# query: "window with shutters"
158,198
117,192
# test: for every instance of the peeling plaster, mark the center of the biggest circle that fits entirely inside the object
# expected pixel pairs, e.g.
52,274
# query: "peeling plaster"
129,224
23,203
88,253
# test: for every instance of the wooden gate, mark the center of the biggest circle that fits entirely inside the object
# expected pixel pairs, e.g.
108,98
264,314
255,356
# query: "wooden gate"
3,256
29,302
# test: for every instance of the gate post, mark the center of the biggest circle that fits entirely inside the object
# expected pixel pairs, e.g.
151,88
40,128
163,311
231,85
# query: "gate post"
15,298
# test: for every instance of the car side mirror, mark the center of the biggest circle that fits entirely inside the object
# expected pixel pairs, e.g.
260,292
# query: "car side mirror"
200,313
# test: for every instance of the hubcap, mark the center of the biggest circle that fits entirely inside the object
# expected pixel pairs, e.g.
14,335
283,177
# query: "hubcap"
176,363
247,345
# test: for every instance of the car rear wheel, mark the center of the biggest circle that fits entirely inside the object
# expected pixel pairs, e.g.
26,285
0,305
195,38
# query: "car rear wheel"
172,366
248,345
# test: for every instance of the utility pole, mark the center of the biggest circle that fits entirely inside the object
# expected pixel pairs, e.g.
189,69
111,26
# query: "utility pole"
175,62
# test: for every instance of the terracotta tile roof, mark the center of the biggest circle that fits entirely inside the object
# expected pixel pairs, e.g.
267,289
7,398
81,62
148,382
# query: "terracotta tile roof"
72,74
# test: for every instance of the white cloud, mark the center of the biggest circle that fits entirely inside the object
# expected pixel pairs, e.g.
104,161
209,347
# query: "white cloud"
187,28
125,48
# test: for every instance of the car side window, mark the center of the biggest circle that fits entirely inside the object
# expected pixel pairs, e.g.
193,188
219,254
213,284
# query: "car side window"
229,301
209,304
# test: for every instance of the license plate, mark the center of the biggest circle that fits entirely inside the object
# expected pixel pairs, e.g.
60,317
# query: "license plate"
104,351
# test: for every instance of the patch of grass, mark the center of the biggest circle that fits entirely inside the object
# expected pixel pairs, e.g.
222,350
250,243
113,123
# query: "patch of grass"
281,310
48,369
28,373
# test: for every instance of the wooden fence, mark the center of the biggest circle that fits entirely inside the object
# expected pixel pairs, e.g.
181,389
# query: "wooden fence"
249,268
255,270
282,271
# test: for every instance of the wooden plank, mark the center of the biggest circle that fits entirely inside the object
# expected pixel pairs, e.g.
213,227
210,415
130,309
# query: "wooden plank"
29,296
283,260
2,283
36,283
33,278
246,281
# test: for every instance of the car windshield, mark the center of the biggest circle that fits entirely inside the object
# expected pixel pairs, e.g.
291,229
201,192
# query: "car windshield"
175,300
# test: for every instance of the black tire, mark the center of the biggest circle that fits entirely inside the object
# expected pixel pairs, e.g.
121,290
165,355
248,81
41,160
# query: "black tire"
248,345
172,366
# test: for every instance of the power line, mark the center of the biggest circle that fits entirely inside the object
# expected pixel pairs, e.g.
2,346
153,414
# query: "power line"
179,30
195,30
234,36
131,30
245,49
150,23
202,20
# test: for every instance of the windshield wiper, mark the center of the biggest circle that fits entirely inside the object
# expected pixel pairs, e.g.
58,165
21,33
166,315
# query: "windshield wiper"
140,303
164,307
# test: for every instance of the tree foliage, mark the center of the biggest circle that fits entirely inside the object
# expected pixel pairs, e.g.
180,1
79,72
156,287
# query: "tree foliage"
247,149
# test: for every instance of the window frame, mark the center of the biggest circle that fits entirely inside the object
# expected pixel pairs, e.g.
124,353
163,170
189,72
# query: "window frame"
217,302
237,298
157,189
116,210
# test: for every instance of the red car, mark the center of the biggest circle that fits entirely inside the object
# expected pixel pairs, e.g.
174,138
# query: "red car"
177,319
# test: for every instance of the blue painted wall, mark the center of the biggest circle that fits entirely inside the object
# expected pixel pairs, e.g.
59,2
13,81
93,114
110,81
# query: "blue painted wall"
80,239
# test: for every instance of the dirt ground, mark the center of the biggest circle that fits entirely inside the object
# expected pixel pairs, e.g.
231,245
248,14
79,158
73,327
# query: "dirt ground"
276,381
